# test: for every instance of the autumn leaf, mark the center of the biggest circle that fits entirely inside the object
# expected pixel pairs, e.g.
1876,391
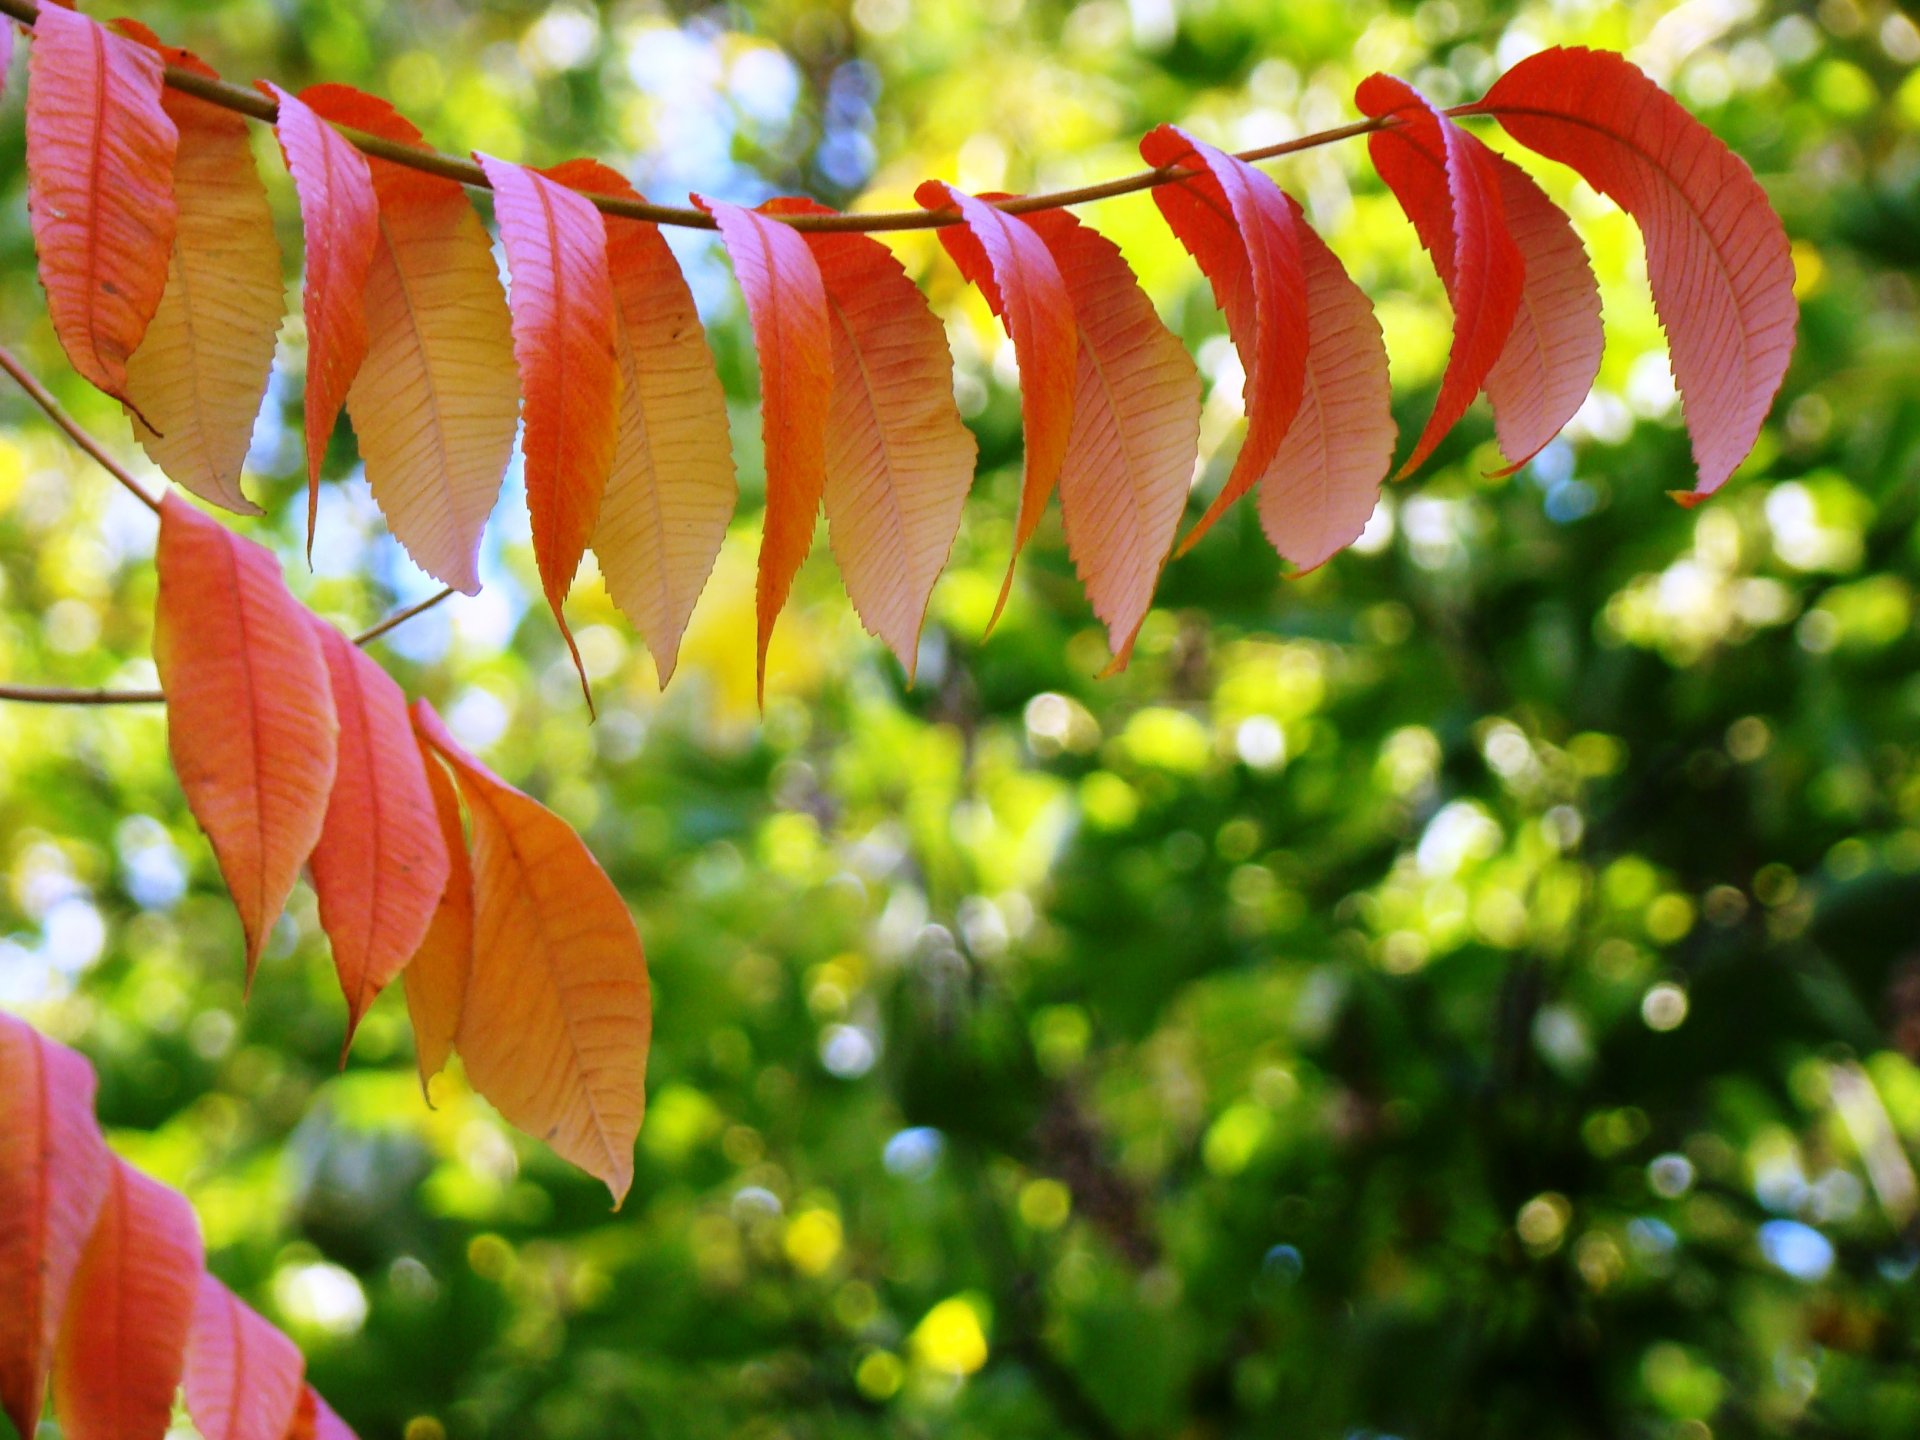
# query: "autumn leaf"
123,1346
194,385
671,489
100,150
1445,180
313,1419
787,306
899,458
250,717
435,405
380,866
53,1181
1002,257
563,342
558,1016
1136,430
341,219
1718,260
436,977
1241,230
243,1378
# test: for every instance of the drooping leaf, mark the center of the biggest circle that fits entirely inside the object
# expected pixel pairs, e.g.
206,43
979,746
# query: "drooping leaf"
381,864
100,152
243,1377
123,1347
1136,430
436,977
1324,481
563,342
1553,354
1003,259
341,219
1446,183
435,405
53,1181
250,718
899,458
1237,224
558,1014
195,384
671,490
1717,255
787,305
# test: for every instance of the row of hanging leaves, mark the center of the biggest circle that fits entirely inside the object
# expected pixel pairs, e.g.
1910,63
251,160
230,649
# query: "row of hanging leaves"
106,1284
163,278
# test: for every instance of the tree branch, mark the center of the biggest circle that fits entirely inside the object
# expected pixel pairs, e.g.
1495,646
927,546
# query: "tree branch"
76,432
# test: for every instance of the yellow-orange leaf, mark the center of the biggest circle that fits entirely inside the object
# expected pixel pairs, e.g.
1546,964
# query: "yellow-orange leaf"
53,1179
243,1376
436,977
899,458
99,159
1136,430
787,305
671,490
250,719
381,864
123,1347
563,341
435,405
194,385
558,1013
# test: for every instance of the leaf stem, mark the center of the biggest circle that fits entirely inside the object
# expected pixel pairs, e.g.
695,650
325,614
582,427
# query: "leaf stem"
400,617
76,432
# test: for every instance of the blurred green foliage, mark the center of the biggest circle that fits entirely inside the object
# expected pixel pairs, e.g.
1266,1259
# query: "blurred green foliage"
1469,991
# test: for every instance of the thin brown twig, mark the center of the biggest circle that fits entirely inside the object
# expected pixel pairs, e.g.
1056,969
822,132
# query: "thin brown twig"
76,432
59,695
400,617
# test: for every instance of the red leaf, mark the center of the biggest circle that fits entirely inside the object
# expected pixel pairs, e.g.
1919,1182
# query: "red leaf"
899,458
99,169
436,977
1717,256
436,404
787,304
1002,257
250,718
124,1345
341,218
1136,430
563,342
381,863
558,1012
53,1180
313,1419
671,491
1324,481
1446,183
1238,225
243,1376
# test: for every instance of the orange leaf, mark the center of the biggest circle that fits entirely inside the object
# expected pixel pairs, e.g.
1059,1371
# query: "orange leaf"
671,490
124,1345
1324,481
381,864
1239,226
99,160
1136,430
341,219
436,977
250,718
1717,256
53,1180
787,304
199,374
243,1376
1446,183
1000,256
899,458
563,340
558,1014
436,404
